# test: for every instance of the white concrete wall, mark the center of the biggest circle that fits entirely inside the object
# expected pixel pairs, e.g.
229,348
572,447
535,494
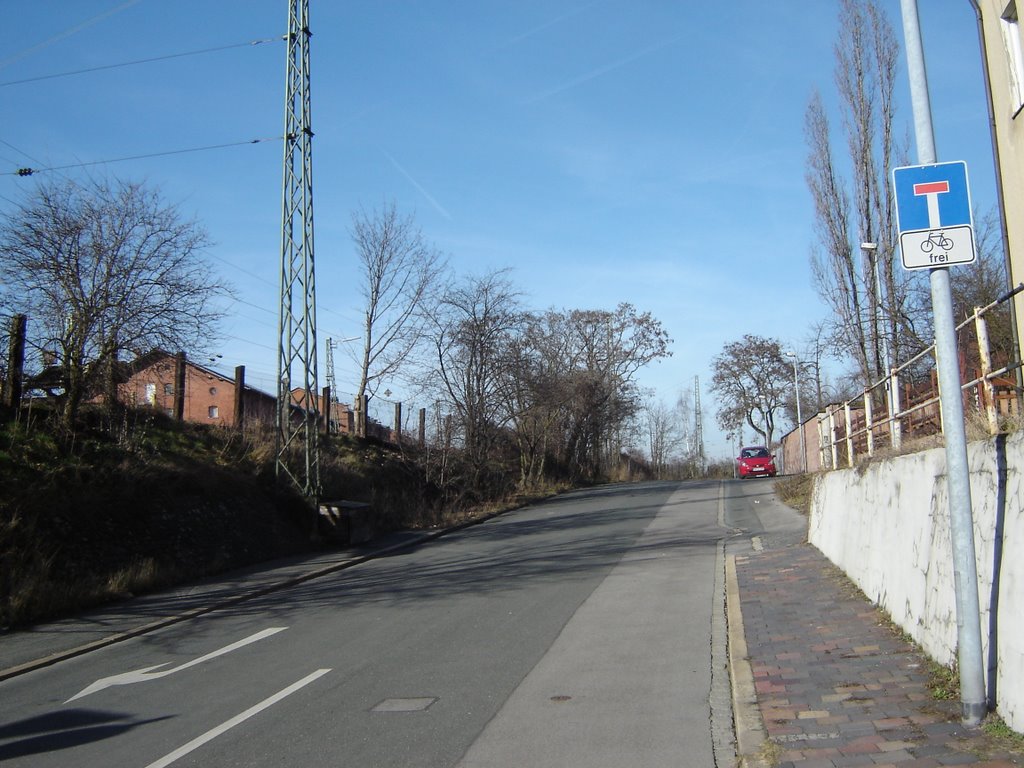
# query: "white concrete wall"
887,526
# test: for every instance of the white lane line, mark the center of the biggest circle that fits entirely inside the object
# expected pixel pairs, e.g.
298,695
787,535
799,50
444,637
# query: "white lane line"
229,724
142,675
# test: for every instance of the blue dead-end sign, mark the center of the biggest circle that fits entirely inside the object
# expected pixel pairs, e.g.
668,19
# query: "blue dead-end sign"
933,215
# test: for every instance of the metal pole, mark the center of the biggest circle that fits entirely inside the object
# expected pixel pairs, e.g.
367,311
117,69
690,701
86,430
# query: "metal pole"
973,703
881,320
799,414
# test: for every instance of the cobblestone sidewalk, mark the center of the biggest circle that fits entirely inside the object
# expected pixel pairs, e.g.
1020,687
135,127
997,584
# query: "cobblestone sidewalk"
836,684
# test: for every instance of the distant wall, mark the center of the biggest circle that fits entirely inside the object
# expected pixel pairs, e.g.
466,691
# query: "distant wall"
887,526
789,450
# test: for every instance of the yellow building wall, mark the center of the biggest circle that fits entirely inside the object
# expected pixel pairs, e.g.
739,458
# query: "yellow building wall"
1004,60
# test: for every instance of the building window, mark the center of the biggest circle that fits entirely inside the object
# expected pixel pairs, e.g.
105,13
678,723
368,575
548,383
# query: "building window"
151,394
214,412
1014,55
213,390
168,389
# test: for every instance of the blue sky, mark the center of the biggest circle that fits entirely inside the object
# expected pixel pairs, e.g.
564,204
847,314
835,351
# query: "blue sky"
644,151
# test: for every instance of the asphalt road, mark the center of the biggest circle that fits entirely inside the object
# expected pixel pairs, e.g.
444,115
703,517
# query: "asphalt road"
584,631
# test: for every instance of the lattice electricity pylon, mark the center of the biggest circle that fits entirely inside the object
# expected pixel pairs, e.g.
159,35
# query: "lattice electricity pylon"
298,447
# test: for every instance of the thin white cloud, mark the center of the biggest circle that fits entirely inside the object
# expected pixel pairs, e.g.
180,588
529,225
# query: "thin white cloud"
66,33
547,24
419,187
603,70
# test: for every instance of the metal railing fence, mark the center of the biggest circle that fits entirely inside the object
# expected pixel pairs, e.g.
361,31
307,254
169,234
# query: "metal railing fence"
894,409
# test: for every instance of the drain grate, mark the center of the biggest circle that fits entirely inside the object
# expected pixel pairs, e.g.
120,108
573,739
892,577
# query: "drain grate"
415,704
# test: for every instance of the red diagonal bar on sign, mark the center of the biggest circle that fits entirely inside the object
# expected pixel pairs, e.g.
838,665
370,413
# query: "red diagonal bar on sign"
931,187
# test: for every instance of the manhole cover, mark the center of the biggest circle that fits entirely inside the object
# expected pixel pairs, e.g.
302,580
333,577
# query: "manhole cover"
416,704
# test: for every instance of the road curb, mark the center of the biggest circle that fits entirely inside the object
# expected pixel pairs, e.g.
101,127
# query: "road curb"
750,733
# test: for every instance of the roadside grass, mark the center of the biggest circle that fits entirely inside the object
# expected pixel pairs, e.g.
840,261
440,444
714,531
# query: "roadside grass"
795,491
995,742
146,503
976,426
126,508
943,682
771,752
1005,737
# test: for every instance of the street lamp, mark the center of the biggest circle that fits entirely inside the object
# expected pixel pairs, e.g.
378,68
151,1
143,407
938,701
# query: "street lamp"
799,414
763,405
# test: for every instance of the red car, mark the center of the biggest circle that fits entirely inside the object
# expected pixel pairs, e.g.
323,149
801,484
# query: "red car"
755,461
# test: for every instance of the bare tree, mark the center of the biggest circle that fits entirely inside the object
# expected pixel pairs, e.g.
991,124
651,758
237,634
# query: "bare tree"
536,392
666,432
472,337
399,273
556,383
606,349
104,268
873,301
753,381
979,284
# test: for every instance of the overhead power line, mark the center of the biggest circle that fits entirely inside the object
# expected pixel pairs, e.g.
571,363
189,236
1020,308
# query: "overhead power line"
33,171
86,70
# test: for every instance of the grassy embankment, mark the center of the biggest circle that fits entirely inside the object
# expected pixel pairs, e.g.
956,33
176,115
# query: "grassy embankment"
147,503
795,491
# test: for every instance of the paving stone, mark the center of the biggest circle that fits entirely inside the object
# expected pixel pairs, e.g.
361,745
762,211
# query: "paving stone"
837,687
852,761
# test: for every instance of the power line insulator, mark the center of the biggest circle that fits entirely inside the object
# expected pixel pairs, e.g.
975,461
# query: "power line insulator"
25,171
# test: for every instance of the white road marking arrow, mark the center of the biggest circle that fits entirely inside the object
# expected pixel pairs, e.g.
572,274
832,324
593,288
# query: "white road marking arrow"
148,673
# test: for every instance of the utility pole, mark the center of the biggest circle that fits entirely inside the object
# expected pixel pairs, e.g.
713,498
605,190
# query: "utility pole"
332,382
973,703
332,388
698,429
799,410
298,446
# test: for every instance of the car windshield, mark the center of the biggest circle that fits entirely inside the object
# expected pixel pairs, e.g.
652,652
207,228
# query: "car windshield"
754,453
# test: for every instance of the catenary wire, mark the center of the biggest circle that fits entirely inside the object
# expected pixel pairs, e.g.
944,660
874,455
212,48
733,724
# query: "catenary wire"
33,171
150,60
26,154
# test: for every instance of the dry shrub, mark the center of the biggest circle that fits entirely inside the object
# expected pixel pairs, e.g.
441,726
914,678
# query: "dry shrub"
795,491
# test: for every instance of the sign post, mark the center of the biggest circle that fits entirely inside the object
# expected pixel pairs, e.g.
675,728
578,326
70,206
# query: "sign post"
973,702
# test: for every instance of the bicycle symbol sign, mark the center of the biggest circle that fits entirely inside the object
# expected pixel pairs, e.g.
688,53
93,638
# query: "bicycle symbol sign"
937,240
933,214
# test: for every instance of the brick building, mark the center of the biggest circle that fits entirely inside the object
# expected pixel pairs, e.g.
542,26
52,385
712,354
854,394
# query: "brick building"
209,397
